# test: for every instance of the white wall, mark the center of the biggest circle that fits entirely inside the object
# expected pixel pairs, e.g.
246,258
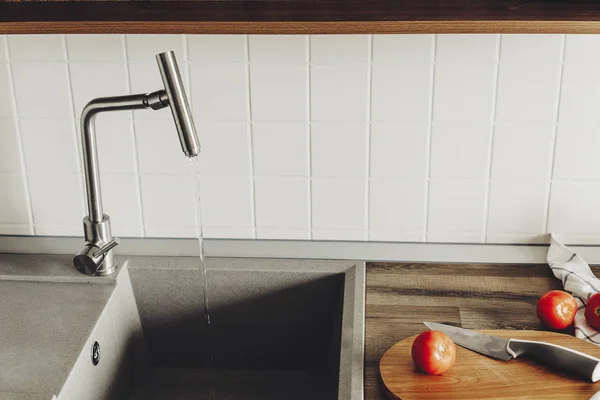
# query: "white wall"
459,138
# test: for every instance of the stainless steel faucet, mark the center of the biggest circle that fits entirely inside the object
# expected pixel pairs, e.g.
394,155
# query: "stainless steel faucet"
96,257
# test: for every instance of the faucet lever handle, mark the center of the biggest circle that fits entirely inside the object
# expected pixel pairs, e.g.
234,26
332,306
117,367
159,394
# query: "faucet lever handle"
107,247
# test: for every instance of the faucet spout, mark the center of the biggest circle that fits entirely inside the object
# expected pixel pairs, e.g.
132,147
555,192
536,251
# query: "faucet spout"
96,257
179,104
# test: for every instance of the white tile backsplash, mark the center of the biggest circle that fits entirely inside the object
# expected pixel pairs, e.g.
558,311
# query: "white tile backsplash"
42,90
280,148
528,92
399,149
339,92
96,47
17,229
517,207
397,205
532,48
99,79
396,236
146,47
121,201
455,207
228,233
36,47
10,161
14,208
278,49
219,91
460,150
225,148
401,92
144,77
345,235
56,200
522,150
117,152
168,201
4,48
573,209
580,93
279,92
522,238
217,48
158,147
338,204
282,203
464,92
226,202
453,237
339,234
6,99
450,138
582,49
282,234
467,49
339,49
577,149
403,49
338,150
49,146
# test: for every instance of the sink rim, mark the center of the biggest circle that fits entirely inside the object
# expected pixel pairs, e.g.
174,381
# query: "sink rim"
351,366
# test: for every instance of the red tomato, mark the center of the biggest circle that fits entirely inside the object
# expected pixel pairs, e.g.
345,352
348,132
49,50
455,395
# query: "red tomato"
433,352
556,309
592,311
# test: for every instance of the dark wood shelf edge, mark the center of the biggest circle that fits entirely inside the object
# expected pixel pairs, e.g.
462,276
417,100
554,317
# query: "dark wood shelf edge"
299,27
300,16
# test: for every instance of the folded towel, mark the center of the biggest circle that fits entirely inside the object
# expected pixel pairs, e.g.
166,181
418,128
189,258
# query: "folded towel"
579,280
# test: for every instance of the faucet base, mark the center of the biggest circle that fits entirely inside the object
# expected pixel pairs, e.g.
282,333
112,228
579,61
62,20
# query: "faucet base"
91,260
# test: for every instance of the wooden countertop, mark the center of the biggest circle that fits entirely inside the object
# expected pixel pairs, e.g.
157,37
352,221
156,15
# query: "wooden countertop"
400,296
299,16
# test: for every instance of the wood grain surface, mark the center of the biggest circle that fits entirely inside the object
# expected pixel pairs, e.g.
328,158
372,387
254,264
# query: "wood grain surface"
299,16
400,296
475,376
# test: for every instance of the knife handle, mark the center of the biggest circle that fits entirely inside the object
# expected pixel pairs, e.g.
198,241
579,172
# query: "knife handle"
557,357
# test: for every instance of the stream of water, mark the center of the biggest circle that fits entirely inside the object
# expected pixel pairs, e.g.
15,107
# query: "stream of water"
194,168
198,211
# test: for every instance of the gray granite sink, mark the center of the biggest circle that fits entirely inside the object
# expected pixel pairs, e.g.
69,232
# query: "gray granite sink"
279,329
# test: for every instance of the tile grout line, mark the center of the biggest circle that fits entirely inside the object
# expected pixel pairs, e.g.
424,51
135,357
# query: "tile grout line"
78,144
309,131
486,204
250,137
368,141
323,122
299,177
24,172
555,131
429,138
136,164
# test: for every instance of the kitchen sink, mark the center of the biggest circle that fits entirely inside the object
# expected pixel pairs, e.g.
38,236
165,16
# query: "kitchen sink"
267,329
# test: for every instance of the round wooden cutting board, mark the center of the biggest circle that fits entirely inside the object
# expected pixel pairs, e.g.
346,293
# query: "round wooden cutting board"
475,376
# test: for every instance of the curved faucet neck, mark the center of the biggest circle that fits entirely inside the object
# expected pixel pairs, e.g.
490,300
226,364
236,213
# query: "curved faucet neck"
88,139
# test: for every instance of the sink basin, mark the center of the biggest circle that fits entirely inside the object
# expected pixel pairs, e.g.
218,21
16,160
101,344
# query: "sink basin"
268,329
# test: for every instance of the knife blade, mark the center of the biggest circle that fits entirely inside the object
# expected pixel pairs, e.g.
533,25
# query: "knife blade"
550,354
491,346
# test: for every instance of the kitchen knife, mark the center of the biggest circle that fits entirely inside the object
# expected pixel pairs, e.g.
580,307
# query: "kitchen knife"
505,349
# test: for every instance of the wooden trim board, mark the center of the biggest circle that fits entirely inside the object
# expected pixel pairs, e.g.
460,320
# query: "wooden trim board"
299,16
295,27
